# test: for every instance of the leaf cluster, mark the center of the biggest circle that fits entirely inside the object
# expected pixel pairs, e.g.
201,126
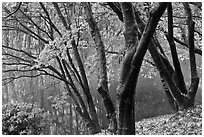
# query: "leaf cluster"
23,119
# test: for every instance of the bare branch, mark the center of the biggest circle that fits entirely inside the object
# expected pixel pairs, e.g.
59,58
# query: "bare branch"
45,41
10,14
28,54
50,21
150,62
29,18
6,28
61,16
28,76
19,63
196,50
200,34
112,52
16,57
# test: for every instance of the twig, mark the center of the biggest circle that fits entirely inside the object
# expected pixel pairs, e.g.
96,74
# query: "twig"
10,14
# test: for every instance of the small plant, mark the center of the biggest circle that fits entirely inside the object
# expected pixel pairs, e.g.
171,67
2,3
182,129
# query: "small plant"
23,119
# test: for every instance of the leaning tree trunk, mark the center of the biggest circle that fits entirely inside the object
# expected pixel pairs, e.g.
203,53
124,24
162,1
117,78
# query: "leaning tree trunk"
103,79
178,72
164,67
132,63
194,76
117,9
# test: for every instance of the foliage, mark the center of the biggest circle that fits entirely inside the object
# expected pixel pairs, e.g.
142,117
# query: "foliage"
52,50
187,122
23,119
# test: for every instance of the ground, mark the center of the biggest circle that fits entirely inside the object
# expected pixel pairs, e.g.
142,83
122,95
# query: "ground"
186,122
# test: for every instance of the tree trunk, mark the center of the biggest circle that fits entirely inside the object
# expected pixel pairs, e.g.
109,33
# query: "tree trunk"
158,59
164,66
127,86
178,72
183,101
194,75
117,9
86,90
103,79
132,63
71,118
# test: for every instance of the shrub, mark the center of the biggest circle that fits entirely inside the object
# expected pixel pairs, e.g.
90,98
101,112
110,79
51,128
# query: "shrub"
23,119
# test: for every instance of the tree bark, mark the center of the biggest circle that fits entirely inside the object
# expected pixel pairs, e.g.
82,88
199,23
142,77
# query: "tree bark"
89,98
126,89
103,79
178,72
183,101
133,63
194,76
166,71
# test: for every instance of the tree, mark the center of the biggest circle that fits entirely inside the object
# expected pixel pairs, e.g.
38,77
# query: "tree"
132,63
41,64
175,84
64,43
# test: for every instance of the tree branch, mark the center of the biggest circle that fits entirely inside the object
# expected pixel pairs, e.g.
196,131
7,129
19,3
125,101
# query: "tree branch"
16,57
45,41
29,18
61,16
11,64
196,50
7,28
50,21
116,9
28,76
28,54
10,14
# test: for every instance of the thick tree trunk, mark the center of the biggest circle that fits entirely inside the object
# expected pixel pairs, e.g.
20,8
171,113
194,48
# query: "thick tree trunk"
165,68
132,63
117,9
182,100
127,87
